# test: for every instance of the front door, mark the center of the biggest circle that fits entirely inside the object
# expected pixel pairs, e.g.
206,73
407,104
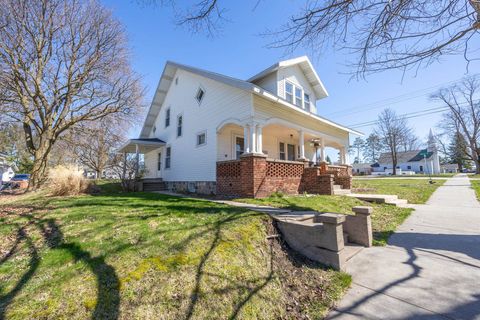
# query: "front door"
291,152
239,147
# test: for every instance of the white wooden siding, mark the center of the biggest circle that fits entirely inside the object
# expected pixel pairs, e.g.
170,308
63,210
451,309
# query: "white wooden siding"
190,162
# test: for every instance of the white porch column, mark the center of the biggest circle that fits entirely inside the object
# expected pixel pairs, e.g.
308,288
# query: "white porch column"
322,149
342,155
301,143
253,138
246,138
259,139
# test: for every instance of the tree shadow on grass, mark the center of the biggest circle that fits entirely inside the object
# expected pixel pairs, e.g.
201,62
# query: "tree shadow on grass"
108,285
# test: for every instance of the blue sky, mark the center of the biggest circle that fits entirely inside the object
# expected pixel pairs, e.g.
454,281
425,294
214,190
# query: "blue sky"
239,51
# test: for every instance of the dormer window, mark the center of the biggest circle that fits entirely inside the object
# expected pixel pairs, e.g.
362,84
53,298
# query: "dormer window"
298,96
306,101
200,95
289,92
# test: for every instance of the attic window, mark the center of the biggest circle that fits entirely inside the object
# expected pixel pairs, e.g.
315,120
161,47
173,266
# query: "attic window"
200,95
306,101
289,92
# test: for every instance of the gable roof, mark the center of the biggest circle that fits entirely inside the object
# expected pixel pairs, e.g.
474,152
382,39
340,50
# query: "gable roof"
168,77
407,156
307,69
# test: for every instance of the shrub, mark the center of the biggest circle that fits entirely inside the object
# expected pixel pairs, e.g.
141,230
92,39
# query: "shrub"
67,180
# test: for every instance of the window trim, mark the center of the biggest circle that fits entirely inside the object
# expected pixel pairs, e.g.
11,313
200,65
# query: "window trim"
204,132
168,116
309,107
180,116
168,158
292,93
203,95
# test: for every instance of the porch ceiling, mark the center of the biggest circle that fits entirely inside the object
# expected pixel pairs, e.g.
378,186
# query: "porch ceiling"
284,131
144,145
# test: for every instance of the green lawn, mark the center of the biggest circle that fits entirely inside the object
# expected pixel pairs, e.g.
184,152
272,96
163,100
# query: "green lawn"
385,218
476,187
145,255
413,190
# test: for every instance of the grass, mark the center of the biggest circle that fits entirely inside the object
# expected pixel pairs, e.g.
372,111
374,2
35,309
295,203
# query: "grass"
476,186
413,190
385,218
146,255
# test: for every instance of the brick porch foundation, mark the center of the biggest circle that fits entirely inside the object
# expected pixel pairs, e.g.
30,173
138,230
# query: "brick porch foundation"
255,176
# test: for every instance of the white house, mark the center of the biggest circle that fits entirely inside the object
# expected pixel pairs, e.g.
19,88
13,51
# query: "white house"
6,169
425,161
198,118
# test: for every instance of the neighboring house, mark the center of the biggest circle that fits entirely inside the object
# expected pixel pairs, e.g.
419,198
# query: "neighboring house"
7,170
425,161
449,168
202,124
362,169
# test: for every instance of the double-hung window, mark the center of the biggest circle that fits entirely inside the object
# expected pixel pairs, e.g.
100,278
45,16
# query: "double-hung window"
201,139
295,95
281,148
167,117
289,91
168,157
179,125
298,96
306,101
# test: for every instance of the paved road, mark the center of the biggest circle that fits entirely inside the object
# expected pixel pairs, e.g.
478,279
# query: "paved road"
429,270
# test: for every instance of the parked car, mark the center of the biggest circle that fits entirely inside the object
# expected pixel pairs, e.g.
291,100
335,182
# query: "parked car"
21,177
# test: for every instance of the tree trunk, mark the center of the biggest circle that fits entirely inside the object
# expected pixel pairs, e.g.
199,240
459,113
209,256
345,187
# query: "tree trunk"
39,170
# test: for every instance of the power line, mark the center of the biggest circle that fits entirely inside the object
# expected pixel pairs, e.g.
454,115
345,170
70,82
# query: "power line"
406,115
393,100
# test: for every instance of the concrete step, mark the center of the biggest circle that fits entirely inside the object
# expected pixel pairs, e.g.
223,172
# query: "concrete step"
339,192
351,250
337,187
380,198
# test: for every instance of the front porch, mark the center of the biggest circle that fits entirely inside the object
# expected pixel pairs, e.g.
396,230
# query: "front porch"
256,176
257,159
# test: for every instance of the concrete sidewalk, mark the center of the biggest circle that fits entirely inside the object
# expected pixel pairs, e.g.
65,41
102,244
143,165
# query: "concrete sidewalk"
429,270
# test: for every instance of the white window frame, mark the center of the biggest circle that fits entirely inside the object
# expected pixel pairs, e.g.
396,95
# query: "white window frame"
309,106
168,159
204,132
280,151
168,115
295,87
180,116
292,93
203,95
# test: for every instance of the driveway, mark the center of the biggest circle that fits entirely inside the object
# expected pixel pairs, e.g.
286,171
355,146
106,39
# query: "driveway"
429,270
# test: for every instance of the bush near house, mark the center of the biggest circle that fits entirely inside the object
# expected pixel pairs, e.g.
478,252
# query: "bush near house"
145,255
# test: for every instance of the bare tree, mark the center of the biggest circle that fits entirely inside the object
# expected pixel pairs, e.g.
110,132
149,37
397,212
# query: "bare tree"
372,148
61,63
409,141
93,144
463,115
392,131
383,34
